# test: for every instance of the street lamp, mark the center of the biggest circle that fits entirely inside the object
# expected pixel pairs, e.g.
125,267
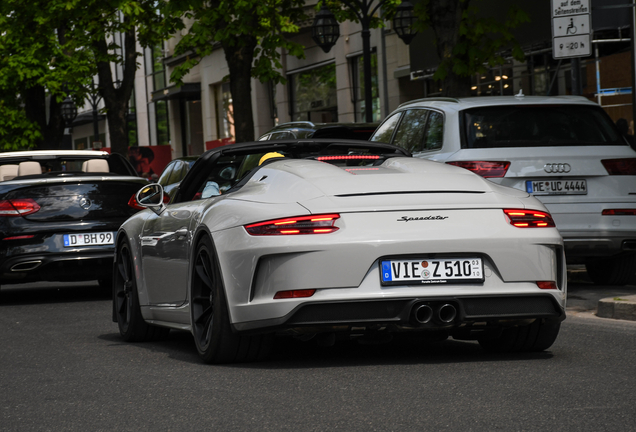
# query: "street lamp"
403,22
69,110
325,33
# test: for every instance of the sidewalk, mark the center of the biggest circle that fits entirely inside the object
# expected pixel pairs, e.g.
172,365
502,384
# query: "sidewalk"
617,302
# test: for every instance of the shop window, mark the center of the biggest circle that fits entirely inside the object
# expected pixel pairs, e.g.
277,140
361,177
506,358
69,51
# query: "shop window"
224,111
357,65
156,80
314,95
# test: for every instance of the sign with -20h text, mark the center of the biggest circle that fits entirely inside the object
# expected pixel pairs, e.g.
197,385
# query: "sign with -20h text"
571,28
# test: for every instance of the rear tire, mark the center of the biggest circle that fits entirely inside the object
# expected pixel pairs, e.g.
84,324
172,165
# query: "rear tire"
619,270
535,337
213,335
132,326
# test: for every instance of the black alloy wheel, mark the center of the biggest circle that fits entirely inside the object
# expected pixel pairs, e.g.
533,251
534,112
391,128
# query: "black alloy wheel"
132,326
213,335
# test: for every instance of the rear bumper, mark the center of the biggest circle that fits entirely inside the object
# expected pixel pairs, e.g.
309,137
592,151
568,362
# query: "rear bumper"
57,267
584,244
450,313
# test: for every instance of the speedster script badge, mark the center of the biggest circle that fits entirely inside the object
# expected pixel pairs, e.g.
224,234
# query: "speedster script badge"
409,219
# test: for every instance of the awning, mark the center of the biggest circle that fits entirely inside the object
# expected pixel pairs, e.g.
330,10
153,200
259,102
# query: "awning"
188,91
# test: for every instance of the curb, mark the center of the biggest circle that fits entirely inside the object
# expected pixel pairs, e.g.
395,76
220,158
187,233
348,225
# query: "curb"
623,308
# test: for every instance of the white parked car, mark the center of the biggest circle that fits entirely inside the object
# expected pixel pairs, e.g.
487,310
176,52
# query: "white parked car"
565,150
337,237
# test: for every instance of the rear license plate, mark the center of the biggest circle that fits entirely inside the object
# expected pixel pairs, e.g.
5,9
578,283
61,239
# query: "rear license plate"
89,239
431,271
556,187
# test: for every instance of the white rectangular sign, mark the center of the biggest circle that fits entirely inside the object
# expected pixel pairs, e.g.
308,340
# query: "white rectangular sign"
562,8
571,28
571,46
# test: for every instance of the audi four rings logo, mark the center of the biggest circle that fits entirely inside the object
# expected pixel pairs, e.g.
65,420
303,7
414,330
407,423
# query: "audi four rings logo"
557,168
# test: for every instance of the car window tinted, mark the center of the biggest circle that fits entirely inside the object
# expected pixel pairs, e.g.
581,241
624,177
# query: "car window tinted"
434,136
178,172
385,131
531,126
165,176
282,135
410,133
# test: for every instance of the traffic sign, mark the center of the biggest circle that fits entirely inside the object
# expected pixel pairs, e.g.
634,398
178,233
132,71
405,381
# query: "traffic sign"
571,28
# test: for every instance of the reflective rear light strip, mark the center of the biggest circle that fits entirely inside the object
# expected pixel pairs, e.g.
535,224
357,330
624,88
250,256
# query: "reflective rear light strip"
22,237
619,212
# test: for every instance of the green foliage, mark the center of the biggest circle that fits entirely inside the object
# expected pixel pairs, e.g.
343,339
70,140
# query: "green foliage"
235,24
57,44
481,39
16,131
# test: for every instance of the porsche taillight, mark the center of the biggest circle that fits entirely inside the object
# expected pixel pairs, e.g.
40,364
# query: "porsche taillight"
625,166
18,207
529,218
547,285
486,169
316,224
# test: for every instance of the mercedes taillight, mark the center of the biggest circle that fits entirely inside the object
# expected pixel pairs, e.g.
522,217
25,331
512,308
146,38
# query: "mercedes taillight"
18,207
317,224
529,218
486,169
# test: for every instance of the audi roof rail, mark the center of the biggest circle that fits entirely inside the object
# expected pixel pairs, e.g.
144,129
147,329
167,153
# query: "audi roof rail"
431,99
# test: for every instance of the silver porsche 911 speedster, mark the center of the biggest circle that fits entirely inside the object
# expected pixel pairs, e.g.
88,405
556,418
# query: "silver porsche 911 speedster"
331,239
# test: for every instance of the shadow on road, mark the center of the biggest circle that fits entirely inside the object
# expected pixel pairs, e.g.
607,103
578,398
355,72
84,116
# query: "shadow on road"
293,354
52,292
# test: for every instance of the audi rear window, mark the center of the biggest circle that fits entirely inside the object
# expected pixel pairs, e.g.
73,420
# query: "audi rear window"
538,125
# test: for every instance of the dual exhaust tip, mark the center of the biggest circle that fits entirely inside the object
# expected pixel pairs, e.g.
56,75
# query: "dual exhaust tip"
423,313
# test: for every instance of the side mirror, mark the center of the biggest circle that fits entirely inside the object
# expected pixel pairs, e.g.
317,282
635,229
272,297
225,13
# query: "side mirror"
151,196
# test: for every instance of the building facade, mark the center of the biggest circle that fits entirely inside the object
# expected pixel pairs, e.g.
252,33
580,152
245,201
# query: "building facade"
327,87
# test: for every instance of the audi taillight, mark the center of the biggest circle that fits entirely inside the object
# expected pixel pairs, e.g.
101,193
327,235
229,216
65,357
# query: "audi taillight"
529,218
317,224
487,169
626,166
619,212
18,207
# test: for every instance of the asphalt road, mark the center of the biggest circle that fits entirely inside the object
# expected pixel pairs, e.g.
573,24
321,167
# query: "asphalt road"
64,368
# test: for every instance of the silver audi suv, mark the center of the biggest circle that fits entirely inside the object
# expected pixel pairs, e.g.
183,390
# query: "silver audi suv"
565,150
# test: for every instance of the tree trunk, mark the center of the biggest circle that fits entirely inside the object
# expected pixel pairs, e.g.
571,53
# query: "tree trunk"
239,58
117,95
35,109
445,19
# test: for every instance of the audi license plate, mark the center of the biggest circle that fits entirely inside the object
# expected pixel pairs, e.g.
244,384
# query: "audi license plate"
556,187
431,271
89,239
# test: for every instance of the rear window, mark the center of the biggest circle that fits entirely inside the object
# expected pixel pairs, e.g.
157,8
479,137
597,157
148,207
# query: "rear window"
539,125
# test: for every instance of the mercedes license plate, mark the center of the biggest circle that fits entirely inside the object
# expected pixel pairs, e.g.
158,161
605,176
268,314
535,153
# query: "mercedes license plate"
556,187
89,239
431,271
